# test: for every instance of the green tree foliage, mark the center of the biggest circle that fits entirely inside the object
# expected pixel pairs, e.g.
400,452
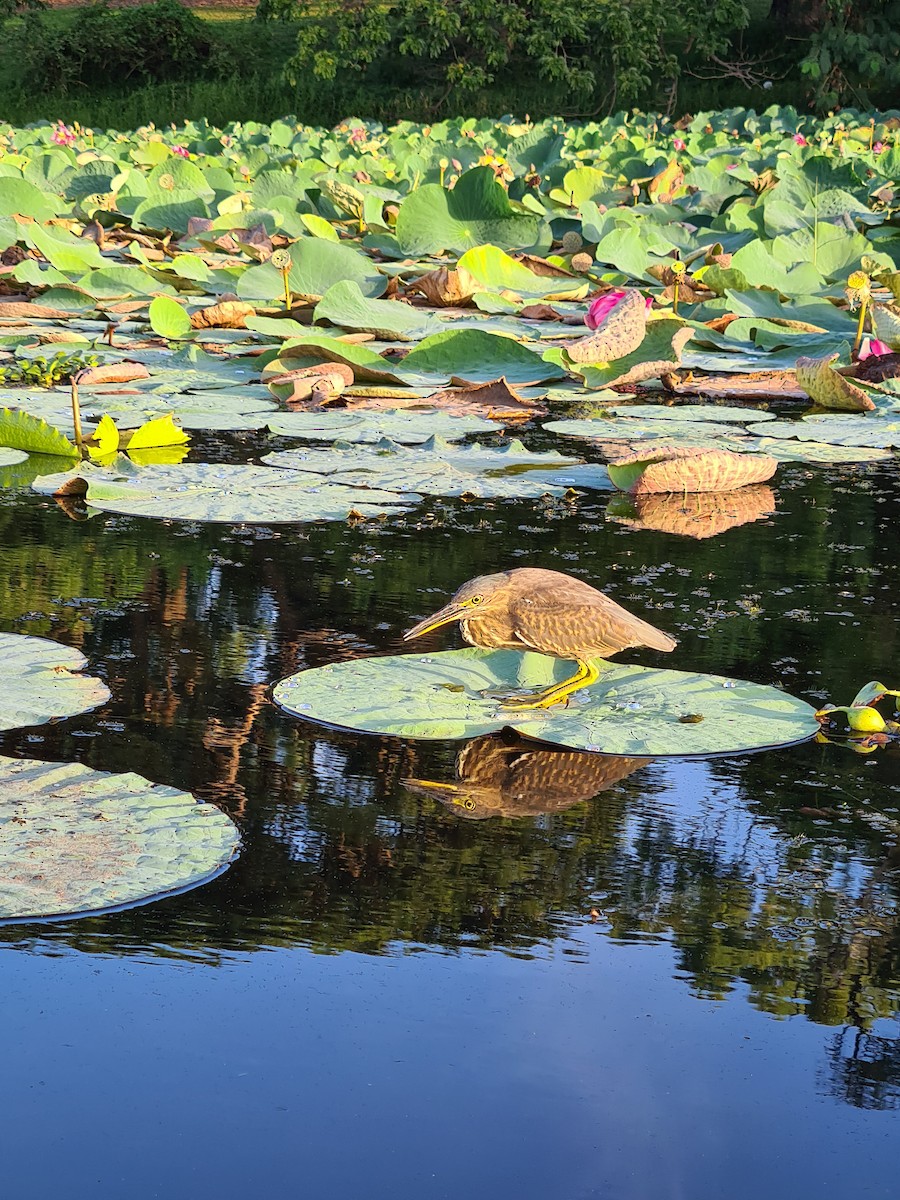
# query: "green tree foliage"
854,49
594,54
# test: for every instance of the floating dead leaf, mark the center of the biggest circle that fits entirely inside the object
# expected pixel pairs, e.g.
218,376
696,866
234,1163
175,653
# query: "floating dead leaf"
698,515
445,288
828,389
230,314
758,385
540,266
121,372
688,469
720,324
540,312
311,387
497,401
14,310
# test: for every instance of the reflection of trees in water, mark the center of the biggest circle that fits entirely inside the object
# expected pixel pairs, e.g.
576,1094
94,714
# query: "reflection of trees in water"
862,1069
190,630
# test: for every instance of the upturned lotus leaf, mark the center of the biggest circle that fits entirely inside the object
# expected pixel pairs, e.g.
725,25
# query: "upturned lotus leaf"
620,332
42,681
629,710
829,389
75,840
686,469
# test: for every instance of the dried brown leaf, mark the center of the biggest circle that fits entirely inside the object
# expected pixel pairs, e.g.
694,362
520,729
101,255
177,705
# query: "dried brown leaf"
121,372
446,288
229,314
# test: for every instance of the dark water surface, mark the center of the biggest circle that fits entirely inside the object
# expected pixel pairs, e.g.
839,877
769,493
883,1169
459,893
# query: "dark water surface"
681,982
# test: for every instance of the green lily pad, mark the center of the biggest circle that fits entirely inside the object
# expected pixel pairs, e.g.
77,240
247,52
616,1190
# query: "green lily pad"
407,426
659,352
629,710
31,433
439,468
237,494
499,272
786,450
477,212
75,840
875,430
42,682
630,428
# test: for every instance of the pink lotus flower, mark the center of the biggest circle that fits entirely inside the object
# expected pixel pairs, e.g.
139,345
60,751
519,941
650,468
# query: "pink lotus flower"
800,139
63,135
878,147
872,348
603,306
679,144
182,151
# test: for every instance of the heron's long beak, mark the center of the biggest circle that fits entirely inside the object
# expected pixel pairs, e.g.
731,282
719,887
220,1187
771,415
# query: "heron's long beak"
443,616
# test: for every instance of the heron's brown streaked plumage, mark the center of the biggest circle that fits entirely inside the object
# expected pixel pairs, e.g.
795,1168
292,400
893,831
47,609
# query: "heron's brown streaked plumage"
532,609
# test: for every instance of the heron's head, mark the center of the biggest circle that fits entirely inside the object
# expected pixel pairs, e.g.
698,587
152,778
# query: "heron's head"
478,595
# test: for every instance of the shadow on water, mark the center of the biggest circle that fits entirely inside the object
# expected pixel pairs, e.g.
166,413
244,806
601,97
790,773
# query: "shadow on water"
771,875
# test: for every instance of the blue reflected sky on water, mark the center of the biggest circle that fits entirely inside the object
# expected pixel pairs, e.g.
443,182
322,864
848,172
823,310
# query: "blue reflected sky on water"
682,986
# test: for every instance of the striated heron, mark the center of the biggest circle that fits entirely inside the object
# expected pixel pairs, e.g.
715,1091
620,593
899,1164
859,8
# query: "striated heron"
532,609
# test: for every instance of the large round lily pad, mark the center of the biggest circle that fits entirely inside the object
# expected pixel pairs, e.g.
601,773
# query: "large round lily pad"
238,494
876,431
41,682
442,468
692,412
629,710
74,840
631,428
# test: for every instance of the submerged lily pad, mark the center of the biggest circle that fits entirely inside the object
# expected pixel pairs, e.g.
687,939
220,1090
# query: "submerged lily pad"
76,840
629,710
400,425
41,682
237,494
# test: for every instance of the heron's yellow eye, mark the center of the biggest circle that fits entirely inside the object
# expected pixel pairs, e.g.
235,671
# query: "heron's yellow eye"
476,600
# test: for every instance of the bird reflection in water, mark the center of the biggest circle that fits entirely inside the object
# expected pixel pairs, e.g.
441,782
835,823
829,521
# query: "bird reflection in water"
694,514
499,775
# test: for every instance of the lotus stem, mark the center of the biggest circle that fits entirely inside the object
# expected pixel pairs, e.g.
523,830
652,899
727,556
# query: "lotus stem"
76,417
863,308
285,276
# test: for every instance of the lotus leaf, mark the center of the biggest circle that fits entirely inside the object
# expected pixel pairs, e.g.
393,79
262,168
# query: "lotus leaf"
345,305
77,840
42,682
477,356
408,427
477,212
828,389
497,271
237,494
8,457
659,352
629,710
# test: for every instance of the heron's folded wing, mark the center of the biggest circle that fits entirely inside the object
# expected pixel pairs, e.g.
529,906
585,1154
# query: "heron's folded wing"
570,630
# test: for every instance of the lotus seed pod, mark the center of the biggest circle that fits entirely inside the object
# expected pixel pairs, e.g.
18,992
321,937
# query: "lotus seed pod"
571,242
582,262
858,280
281,260
677,267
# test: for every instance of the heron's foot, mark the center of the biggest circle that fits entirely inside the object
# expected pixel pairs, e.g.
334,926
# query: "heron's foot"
541,700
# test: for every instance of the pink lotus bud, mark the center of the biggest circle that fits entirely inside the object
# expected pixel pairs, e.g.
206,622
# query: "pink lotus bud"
878,147
603,306
679,144
800,139
872,348
182,151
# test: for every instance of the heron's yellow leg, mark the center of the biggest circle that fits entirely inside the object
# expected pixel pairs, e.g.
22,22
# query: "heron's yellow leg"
586,674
